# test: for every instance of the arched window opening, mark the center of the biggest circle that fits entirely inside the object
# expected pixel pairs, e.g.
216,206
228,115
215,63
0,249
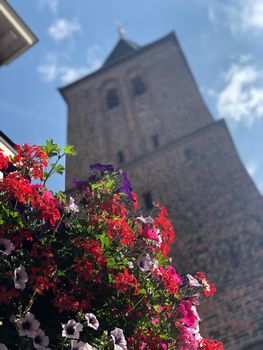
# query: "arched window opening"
112,98
138,86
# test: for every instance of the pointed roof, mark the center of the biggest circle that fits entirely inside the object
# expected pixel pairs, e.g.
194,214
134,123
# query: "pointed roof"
124,47
132,49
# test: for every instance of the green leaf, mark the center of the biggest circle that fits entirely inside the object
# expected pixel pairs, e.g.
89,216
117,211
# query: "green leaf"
104,240
69,150
59,169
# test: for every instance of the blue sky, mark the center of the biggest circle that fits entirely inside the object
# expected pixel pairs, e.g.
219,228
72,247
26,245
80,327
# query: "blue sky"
222,41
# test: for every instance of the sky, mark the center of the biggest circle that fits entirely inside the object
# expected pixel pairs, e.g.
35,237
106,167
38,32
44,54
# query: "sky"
221,39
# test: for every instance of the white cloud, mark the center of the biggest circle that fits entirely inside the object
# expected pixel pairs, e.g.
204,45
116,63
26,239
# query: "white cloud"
251,14
241,97
53,68
245,16
63,28
51,4
69,74
252,167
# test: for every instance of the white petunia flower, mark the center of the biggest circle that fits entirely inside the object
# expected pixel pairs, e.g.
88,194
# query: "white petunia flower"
92,321
40,339
148,220
193,282
71,329
3,347
6,247
75,345
28,325
72,205
20,277
118,339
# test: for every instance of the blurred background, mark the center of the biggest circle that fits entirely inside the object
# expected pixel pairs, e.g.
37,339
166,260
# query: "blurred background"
220,39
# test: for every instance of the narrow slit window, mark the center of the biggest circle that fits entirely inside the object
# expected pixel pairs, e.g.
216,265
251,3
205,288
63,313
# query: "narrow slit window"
120,156
155,141
112,98
148,200
138,86
188,152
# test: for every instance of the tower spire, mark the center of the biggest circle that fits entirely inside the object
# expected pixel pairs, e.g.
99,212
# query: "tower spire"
120,30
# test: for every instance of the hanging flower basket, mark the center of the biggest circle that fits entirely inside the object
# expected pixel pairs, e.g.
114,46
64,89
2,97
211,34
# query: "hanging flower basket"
89,270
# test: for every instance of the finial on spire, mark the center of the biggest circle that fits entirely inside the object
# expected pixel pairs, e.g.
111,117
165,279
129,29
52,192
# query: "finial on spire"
120,29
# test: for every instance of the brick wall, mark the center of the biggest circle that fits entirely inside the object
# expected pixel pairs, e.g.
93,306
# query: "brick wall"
217,214
195,172
171,107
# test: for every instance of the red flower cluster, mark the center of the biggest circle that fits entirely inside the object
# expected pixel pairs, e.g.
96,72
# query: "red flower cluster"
170,279
209,344
33,158
209,288
124,280
3,160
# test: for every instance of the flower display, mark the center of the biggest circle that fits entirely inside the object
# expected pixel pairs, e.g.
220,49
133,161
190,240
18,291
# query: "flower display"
89,270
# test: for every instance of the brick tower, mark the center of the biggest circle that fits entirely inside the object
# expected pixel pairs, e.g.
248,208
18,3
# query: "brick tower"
142,110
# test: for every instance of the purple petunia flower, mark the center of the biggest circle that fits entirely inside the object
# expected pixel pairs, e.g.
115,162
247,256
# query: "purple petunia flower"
20,277
40,340
126,186
71,329
81,185
146,263
6,246
92,321
118,339
102,168
28,325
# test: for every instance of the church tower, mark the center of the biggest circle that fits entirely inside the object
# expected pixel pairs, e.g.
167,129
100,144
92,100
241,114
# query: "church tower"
142,111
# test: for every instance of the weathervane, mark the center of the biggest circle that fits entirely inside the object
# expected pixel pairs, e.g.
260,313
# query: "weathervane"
120,29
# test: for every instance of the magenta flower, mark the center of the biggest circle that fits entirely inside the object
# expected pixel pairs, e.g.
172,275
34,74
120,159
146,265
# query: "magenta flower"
71,329
6,246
